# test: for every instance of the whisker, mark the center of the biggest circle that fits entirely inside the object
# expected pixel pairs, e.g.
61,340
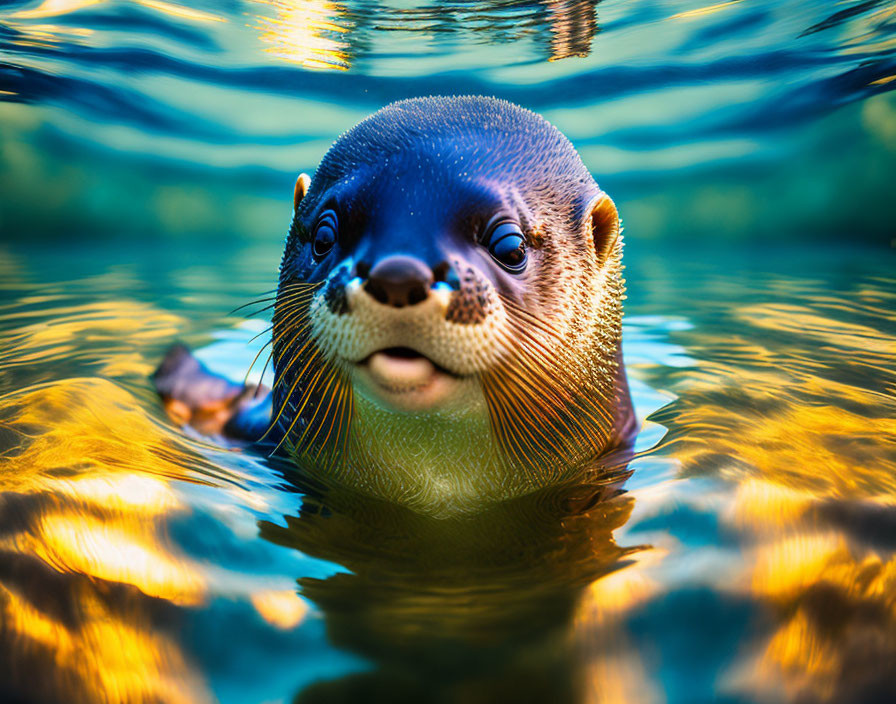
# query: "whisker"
514,395
540,375
253,303
255,337
263,296
295,355
257,355
308,393
267,296
283,405
531,318
317,386
291,316
558,382
501,424
291,296
544,451
263,370
344,420
308,427
557,422
334,423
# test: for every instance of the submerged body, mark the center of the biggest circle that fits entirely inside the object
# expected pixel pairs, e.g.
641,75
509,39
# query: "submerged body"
447,326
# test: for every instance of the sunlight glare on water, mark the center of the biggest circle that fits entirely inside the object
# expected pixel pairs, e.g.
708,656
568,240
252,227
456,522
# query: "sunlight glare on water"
149,150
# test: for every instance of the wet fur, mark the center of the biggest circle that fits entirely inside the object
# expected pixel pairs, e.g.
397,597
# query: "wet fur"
422,176
542,394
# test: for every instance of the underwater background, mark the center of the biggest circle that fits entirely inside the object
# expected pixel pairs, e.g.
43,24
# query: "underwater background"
148,151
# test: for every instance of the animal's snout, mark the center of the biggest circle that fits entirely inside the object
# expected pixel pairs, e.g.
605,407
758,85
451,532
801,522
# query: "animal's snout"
399,281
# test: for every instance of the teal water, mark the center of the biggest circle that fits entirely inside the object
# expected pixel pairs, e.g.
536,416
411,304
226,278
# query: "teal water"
148,153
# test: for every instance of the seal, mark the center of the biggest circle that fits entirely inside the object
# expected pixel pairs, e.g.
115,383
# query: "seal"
447,325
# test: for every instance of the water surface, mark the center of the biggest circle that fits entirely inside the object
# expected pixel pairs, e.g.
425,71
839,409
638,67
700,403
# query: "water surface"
148,152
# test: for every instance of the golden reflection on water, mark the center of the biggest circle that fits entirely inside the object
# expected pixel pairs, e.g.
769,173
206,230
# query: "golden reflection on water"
84,479
282,609
797,407
702,11
328,35
48,332
47,35
93,589
833,597
306,32
320,34
106,656
56,8
614,670
789,400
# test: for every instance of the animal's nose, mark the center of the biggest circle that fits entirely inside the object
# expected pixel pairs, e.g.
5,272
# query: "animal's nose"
399,281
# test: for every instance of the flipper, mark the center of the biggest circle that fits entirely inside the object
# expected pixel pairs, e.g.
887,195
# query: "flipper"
212,404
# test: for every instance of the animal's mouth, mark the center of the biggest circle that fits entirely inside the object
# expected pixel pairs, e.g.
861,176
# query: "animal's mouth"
405,379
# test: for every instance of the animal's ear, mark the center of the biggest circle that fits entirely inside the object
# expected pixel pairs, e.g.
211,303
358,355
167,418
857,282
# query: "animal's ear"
604,226
302,183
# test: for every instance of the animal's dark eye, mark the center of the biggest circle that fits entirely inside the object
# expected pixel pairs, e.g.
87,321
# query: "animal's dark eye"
325,234
506,244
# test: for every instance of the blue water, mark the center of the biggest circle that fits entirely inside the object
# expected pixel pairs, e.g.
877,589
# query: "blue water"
147,157
188,120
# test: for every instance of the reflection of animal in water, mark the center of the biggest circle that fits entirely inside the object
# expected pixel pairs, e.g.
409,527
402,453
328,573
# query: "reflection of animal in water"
480,608
446,330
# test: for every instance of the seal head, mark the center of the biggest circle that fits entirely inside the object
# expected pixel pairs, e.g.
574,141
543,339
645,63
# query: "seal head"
448,317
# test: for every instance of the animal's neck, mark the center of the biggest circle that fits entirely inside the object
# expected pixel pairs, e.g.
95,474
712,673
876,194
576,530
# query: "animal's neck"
440,463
